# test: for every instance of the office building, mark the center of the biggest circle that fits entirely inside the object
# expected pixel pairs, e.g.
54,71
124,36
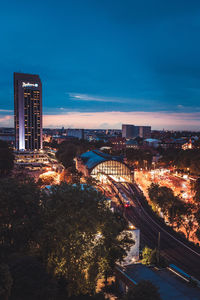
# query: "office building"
77,133
28,112
145,132
132,131
129,131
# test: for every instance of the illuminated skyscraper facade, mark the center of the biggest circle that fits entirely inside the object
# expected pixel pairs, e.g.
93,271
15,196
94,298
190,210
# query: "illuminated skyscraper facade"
28,111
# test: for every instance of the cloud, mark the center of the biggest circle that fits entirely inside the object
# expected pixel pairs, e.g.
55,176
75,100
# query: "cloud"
6,110
6,121
114,119
86,97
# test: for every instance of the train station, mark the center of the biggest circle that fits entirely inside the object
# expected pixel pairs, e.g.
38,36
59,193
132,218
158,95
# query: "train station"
100,165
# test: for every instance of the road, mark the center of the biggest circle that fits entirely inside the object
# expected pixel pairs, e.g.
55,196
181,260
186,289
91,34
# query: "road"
172,247
179,185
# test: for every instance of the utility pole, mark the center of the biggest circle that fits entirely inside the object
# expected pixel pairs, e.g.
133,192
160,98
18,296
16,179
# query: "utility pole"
158,250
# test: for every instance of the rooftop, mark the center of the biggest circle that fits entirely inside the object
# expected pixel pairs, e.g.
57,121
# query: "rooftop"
95,157
152,140
170,286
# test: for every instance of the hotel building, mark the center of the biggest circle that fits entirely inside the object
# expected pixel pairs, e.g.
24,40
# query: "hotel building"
132,131
28,112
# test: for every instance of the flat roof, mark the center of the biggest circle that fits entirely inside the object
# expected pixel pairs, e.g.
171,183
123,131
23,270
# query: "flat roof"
169,285
152,140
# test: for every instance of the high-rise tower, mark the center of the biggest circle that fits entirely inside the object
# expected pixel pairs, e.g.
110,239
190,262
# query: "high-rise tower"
28,111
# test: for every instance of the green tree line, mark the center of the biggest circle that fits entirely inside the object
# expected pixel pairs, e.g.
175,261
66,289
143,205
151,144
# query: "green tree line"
178,212
185,160
6,159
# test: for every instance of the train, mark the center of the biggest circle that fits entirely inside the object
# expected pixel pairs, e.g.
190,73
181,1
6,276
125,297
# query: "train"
120,193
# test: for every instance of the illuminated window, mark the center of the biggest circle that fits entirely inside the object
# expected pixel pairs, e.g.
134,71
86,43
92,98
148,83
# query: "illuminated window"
111,167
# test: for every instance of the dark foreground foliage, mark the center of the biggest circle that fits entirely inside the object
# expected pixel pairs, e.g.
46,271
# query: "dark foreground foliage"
56,245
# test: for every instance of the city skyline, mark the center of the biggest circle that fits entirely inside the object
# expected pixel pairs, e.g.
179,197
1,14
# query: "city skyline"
105,63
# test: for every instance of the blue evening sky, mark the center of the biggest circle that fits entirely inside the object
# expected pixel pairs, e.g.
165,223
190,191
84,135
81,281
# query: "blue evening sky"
104,56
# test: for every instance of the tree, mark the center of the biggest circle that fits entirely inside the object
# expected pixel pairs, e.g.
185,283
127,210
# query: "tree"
196,189
153,260
185,160
48,178
20,214
176,210
150,257
153,191
6,159
144,290
161,196
146,255
68,150
179,212
188,160
91,181
142,158
171,205
98,296
5,282
66,176
168,156
30,280
186,218
80,240
197,216
66,154
198,233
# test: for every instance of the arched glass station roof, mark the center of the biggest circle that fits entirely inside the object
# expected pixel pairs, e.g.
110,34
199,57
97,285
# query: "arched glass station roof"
98,162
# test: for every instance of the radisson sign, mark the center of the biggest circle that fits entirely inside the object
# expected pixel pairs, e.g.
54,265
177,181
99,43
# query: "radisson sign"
28,84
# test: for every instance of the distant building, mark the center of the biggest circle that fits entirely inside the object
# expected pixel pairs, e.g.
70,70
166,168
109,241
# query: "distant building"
129,131
188,145
77,133
145,132
152,142
28,111
118,143
47,138
63,138
132,131
132,144
7,137
173,143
